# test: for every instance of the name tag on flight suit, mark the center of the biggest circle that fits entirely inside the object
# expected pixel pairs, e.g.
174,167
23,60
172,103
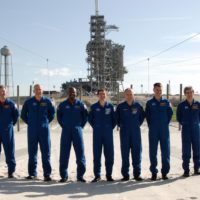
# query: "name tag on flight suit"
134,110
43,104
107,111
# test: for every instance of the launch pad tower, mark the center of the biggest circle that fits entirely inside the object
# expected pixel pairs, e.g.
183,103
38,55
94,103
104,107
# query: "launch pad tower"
105,58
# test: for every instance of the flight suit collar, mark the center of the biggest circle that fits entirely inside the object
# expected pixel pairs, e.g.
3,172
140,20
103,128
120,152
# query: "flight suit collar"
3,102
128,104
42,98
106,103
75,102
157,100
193,101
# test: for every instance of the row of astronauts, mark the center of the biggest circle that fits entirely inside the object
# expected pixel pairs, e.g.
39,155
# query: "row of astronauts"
72,115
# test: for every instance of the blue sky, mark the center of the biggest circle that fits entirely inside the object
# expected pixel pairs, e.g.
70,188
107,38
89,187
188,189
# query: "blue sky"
59,31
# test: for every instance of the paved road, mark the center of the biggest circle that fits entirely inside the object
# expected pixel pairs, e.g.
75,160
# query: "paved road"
175,188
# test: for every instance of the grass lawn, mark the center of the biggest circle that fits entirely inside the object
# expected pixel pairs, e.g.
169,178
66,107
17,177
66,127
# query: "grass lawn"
174,114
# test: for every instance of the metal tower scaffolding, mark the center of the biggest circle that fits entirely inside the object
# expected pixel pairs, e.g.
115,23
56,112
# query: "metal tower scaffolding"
105,58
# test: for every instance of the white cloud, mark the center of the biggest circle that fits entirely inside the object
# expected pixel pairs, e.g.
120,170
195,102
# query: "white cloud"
47,27
179,38
155,19
195,39
64,71
179,67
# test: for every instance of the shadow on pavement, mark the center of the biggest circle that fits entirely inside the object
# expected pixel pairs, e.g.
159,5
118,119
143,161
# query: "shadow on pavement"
74,189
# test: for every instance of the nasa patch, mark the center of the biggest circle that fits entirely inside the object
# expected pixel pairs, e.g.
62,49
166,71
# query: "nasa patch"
6,106
195,107
162,104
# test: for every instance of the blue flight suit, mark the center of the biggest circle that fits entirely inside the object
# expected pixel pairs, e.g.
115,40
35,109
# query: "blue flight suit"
37,115
129,119
8,117
158,116
102,120
72,118
189,117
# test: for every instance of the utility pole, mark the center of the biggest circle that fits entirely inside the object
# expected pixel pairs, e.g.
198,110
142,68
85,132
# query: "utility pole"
47,60
148,59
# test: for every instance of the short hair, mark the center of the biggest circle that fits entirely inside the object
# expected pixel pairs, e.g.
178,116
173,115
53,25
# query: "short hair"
188,88
71,88
2,87
128,89
36,85
101,90
157,85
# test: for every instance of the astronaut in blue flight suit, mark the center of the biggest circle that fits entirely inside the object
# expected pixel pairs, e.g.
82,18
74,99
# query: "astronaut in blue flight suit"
8,118
158,116
102,119
130,116
188,115
37,112
72,116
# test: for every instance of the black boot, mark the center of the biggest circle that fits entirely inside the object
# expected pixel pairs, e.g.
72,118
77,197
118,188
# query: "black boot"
96,179
109,178
154,177
165,177
197,171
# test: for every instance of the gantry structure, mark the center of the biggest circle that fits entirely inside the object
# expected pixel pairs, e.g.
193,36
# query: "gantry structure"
105,58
